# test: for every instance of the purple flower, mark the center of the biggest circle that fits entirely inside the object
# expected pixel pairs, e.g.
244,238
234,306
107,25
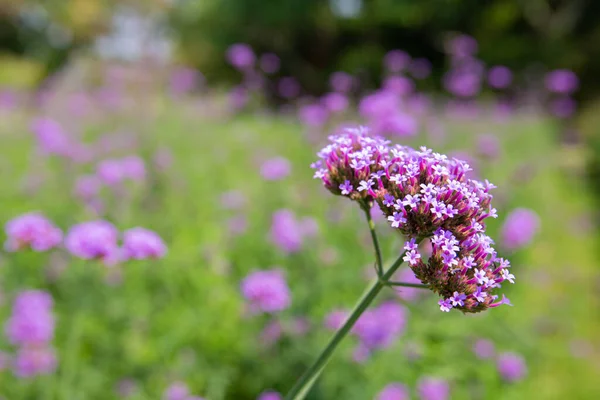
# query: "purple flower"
313,115
33,361
488,146
335,319
406,293
484,349
110,172
433,389
462,46
176,391
400,85
241,56
269,63
396,123
288,87
270,395
378,328
183,80
271,333
335,102
511,367
286,232
346,188
133,168
141,243
275,169
445,205
420,68
563,107
396,60
94,240
562,81
51,137
31,321
499,77
266,291
31,230
87,187
519,228
394,391
341,82
462,83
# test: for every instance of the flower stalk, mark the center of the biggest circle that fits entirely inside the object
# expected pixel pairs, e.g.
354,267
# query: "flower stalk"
308,379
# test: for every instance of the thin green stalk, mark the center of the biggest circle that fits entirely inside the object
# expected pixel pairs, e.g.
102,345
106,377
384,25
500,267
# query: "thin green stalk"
308,379
378,258
406,284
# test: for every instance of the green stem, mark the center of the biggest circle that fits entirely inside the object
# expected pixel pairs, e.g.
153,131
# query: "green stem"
406,284
379,262
306,381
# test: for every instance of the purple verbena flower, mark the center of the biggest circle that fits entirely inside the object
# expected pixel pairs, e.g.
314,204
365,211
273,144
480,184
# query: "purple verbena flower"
346,188
270,395
241,56
511,367
34,361
519,228
394,391
562,81
31,230
141,243
484,349
433,389
275,169
31,322
266,291
499,77
286,232
94,240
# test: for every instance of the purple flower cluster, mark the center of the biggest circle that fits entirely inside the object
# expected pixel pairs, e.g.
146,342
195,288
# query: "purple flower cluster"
424,195
31,230
31,328
98,240
275,169
266,291
376,328
511,366
115,171
433,389
270,395
520,227
179,391
394,391
288,232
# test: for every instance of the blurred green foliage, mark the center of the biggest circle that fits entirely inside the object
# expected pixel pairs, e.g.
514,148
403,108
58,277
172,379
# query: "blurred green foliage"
182,318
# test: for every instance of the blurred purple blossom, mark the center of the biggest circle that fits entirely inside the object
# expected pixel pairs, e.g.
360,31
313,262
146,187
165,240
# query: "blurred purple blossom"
275,169
420,68
461,46
484,349
335,102
288,87
400,85
341,82
232,200
562,81
269,63
31,230
32,361
266,291
488,146
87,187
462,83
271,333
286,233
51,138
394,391
176,391
563,107
184,80
94,240
31,322
499,77
241,56
433,389
270,395
141,243
519,228
406,293
313,115
511,367
396,60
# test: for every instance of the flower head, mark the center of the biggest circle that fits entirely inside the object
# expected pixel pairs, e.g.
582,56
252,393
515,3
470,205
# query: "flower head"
519,228
266,291
31,230
394,391
94,240
31,322
270,395
275,169
141,243
33,361
424,194
511,367
433,389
